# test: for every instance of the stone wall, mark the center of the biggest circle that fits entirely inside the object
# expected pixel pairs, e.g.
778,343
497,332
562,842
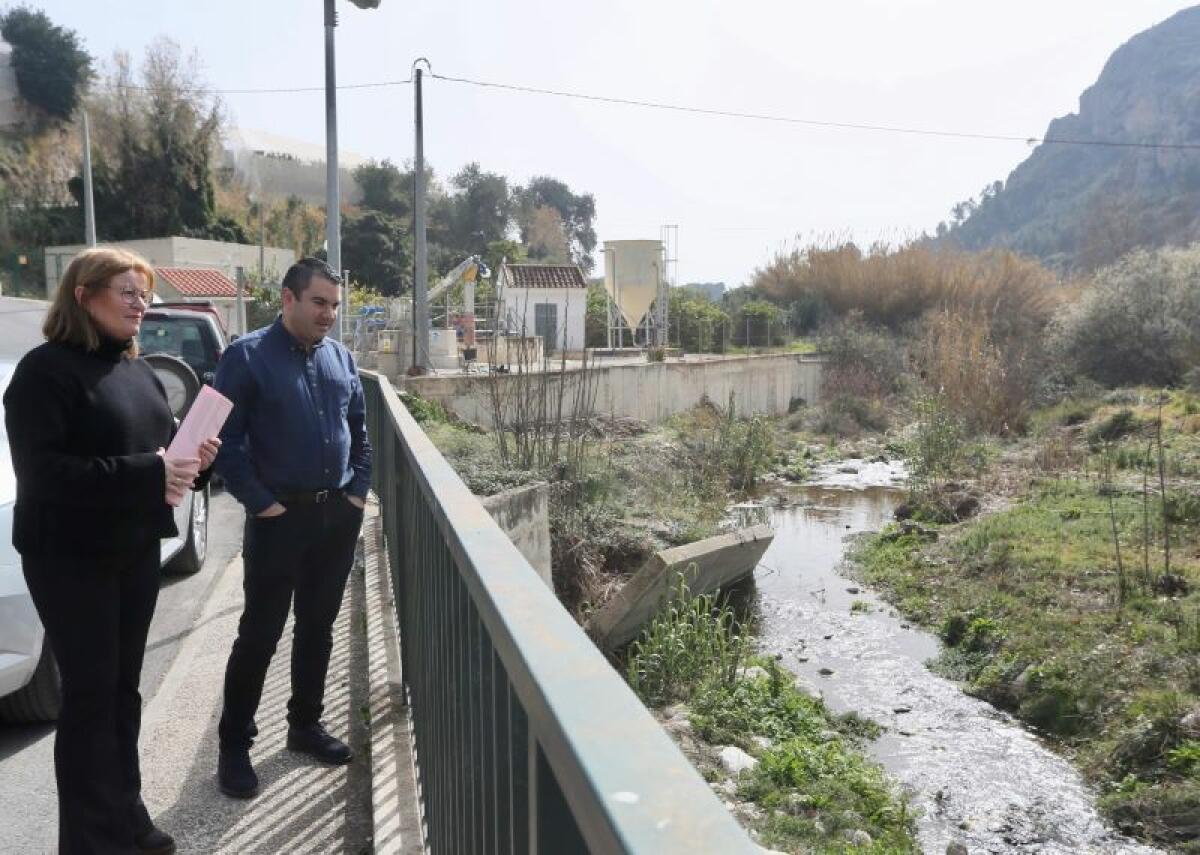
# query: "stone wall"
653,391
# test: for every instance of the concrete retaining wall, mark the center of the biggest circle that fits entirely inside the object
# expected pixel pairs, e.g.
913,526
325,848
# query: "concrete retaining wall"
524,515
652,391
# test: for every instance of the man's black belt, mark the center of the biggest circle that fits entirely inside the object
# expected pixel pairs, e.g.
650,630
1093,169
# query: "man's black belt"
309,497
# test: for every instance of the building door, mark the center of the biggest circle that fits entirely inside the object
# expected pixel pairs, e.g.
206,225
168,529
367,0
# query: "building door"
545,324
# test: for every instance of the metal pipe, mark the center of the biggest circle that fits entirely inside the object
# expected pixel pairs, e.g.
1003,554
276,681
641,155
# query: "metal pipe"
89,206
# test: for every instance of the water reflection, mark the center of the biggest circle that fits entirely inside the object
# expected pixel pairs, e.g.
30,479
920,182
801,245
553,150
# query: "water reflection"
978,776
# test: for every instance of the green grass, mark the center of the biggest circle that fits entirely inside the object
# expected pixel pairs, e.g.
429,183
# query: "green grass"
813,783
1029,604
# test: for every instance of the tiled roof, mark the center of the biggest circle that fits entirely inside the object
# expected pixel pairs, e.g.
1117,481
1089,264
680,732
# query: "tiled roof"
545,276
198,281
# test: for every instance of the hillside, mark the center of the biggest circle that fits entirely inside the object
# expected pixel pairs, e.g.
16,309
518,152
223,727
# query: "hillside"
1078,207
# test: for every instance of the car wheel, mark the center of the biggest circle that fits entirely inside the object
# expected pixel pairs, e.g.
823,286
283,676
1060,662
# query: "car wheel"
41,698
190,559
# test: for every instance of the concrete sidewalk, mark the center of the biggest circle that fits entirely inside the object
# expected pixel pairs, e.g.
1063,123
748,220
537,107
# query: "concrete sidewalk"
303,806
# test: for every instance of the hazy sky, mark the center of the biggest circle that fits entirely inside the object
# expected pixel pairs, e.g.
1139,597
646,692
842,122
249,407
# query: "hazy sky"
740,190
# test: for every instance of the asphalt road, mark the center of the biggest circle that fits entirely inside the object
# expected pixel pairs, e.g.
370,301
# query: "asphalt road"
29,821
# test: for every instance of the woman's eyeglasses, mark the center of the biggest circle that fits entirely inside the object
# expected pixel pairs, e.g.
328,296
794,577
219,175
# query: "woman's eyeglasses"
132,296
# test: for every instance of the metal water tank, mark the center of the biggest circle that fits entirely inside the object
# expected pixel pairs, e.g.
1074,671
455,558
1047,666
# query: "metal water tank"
632,273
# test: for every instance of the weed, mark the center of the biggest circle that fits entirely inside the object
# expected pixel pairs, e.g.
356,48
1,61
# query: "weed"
692,640
1120,424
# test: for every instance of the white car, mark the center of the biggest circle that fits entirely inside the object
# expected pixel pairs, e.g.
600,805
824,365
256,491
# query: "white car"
29,682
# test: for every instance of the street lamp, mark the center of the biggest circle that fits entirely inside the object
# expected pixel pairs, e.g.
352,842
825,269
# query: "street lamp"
333,194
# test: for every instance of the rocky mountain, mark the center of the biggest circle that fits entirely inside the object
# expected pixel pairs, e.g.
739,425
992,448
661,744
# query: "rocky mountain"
1081,206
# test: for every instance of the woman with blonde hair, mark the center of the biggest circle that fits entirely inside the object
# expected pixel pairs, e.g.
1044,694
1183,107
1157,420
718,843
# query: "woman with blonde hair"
87,424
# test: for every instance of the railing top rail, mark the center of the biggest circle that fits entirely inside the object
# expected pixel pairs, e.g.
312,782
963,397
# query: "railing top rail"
628,786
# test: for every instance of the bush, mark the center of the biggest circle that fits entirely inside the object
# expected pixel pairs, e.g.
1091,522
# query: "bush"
846,415
1139,323
860,360
1119,424
938,447
894,287
982,384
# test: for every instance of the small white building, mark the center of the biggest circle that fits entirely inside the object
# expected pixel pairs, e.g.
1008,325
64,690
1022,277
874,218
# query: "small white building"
546,300
181,252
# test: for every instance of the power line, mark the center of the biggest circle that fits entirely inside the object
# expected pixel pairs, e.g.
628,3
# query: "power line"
767,117
695,110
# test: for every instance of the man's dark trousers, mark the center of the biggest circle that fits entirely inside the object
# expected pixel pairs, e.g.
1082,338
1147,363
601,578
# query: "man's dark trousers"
306,552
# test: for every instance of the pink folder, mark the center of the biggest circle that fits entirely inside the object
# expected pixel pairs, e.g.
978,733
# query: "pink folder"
203,421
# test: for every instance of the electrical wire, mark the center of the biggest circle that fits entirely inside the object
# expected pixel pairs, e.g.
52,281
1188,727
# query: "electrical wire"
794,120
696,110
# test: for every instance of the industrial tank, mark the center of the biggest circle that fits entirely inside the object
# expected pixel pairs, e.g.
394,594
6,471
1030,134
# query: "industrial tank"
632,276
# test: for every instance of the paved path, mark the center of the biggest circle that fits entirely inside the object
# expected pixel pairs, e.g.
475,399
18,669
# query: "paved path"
303,806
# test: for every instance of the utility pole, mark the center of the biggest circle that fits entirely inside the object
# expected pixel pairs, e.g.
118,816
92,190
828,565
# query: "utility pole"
333,194
241,300
262,246
420,273
89,206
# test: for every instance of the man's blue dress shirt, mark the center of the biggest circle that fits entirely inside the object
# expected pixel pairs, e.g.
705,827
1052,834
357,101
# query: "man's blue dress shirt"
298,420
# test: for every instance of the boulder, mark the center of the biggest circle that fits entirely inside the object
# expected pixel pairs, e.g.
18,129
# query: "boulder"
735,761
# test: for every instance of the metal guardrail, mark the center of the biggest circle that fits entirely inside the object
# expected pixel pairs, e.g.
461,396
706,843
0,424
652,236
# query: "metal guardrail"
527,740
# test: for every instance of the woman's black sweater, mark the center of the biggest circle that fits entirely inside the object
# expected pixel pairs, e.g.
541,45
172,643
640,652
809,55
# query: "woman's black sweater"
84,428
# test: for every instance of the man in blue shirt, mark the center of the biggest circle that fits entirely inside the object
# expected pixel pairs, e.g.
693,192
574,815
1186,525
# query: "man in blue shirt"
295,453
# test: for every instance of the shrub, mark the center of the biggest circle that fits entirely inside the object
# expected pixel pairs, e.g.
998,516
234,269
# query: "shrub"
1139,323
937,449
894,287
987,388
846,415
1120,424
860,360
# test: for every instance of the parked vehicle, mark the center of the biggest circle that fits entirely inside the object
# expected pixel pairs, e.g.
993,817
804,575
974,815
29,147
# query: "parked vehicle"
29,682
205,306
195,336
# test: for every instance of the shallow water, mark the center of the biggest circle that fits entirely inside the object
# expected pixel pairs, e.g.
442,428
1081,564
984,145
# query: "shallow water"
977,775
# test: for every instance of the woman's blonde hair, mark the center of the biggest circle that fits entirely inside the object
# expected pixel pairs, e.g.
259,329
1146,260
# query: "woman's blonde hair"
67,320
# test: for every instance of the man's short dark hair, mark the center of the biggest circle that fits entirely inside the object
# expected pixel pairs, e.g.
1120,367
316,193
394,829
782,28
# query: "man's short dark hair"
300,275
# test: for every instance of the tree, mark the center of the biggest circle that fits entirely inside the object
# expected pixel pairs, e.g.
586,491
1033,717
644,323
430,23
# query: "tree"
758,323
152,173
52,68
373,250
481,209
697,324
546,237
577,211
385,188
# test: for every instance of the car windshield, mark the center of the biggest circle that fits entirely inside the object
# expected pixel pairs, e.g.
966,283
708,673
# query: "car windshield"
178,337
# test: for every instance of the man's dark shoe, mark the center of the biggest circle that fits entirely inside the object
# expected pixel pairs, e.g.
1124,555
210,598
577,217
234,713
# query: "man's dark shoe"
155,842
315,741
235,775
